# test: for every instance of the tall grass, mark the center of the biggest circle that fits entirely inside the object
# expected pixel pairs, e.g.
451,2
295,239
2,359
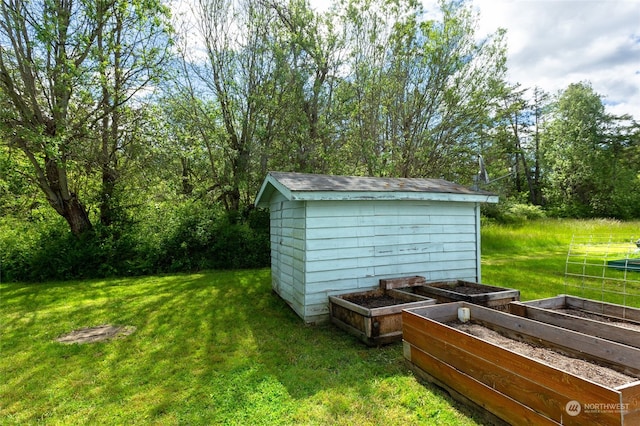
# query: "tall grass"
532,257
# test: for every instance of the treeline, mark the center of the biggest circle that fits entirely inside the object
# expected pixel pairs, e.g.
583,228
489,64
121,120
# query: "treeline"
133,140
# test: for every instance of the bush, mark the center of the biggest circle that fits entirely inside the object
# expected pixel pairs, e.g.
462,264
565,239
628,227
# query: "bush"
188,238
512,213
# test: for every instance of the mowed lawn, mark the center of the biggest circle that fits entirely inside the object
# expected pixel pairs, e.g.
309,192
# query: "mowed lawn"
221,348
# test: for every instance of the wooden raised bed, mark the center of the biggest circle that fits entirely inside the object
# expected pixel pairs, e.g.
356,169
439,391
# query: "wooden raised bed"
375,316
606,320
466,291
516,388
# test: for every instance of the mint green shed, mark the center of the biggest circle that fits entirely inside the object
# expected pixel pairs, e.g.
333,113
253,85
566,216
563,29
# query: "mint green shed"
332,235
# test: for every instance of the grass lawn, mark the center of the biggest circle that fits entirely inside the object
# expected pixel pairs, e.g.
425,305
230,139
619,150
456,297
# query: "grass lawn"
210,348
532,257
220,348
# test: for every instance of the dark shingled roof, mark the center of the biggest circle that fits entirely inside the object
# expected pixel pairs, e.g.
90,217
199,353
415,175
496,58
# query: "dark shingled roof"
302,182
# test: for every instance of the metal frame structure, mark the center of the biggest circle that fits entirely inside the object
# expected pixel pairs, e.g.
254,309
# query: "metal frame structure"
590,270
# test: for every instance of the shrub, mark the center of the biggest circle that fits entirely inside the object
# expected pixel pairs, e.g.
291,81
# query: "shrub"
512,213
191,237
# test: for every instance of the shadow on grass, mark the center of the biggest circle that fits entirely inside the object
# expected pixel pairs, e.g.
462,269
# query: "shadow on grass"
209,348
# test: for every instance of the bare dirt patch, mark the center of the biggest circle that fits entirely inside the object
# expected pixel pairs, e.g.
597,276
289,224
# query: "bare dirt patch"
579,367
98,333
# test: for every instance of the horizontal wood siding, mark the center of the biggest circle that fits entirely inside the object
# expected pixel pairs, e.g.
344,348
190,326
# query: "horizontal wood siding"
351,245
287,251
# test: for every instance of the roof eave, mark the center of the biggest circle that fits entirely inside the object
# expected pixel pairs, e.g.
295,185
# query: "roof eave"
268,187
390,195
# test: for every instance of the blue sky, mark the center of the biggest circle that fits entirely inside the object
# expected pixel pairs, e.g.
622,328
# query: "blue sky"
553,43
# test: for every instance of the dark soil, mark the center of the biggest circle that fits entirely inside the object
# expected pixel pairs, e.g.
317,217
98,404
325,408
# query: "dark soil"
377,301
579,367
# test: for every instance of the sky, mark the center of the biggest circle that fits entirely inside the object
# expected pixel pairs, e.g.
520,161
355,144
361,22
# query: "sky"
553,43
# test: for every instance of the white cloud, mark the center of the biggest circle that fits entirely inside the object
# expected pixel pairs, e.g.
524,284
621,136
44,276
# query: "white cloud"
554,43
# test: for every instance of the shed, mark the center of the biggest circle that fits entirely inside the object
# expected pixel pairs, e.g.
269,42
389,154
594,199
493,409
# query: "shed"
333,235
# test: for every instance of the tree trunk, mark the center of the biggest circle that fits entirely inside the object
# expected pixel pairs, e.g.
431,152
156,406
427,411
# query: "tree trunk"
76,215
53,182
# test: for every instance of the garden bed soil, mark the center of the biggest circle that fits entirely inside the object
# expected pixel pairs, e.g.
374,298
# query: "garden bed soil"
374,316
536,384
467,291
586,369
375,300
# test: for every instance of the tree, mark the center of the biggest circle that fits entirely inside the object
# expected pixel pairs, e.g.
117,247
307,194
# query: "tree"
66,69
517,139
235,77
423,90
586,152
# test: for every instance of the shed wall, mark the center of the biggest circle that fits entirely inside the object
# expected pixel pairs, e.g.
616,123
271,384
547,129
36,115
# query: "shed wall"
351,245
287,251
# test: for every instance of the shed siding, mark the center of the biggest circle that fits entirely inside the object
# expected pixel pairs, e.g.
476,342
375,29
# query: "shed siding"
351,245
287,250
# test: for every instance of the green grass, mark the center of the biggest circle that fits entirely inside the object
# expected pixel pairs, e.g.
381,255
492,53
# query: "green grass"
532,257
220,348
210,348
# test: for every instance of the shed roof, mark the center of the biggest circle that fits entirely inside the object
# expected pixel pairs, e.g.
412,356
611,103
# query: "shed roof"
302,186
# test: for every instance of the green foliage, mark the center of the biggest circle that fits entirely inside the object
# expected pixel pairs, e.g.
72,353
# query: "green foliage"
206,238
586,154
507,212
191,238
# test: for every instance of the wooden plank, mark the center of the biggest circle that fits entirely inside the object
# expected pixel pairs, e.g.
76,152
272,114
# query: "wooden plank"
617,356
550,377
548,303
618,311
591,327
529,391
350,306
441,312
630,399
391,283
484,396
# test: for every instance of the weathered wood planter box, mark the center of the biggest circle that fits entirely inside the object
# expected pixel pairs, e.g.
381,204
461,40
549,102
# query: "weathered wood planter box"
466,291
606,320
375,316
516,388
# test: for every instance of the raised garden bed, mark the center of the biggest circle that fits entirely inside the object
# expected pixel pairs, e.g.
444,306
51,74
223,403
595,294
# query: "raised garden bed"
466,291
375,316
606,320
519,388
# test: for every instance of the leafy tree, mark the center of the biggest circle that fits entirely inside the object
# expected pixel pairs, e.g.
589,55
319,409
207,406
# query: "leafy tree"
586,153
66,71
422,90
516,134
